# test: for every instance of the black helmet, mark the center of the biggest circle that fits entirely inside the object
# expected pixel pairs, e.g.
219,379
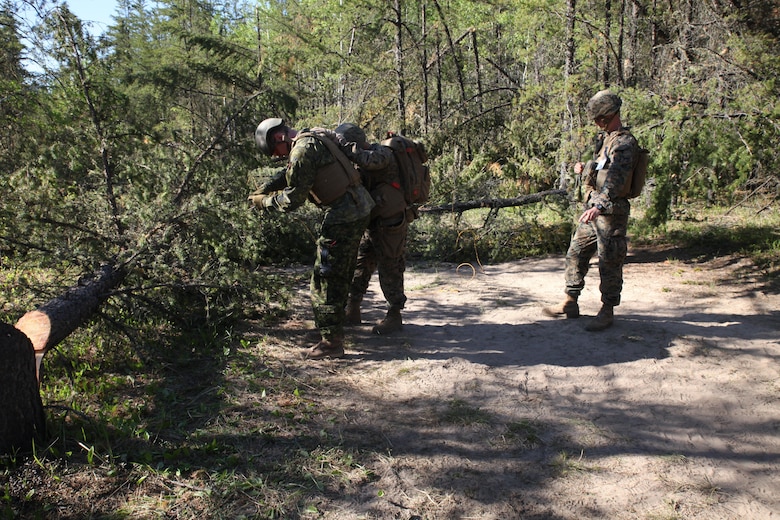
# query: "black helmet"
603,103
264,130
352,133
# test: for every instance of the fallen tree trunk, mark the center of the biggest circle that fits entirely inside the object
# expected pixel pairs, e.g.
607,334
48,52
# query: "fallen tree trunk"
55,320
459,207
22,349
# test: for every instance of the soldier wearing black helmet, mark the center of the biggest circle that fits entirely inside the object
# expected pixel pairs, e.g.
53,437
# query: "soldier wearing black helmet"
319,172
601,229
383,246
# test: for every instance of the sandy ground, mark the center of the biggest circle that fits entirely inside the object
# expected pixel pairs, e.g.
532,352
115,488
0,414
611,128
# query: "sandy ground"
484,408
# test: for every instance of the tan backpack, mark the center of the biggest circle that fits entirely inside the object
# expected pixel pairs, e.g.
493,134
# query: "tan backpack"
333,180
411,158
639,175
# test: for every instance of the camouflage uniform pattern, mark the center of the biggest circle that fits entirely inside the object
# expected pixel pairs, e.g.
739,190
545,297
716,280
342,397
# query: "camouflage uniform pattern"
383,246
343,224
606,234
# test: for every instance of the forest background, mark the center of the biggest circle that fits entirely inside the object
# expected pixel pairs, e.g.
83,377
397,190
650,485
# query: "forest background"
134,148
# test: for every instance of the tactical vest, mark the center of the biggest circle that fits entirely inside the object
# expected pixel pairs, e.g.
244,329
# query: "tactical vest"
334,179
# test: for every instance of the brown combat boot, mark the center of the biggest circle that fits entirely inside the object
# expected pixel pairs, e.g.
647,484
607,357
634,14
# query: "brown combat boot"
391,323
353,313
569,307
327,348
603,319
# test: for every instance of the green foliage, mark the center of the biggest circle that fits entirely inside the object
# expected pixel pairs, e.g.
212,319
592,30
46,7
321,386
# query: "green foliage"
137,150
136,147
485,237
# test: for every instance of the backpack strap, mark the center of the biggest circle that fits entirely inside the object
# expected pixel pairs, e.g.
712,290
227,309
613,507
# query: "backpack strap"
333,148
334,179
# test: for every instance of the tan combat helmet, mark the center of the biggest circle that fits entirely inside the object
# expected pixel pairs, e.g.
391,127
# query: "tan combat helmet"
603,103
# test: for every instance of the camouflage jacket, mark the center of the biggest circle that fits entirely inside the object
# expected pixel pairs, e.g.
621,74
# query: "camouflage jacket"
380,175
613,166
376,164
307,157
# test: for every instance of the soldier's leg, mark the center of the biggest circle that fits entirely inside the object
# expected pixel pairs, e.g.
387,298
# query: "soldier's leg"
333,270
366,264
613,248
583,245
391,255
391,259
364,269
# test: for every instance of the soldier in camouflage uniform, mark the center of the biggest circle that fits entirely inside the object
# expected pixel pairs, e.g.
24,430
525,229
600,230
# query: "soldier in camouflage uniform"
318,171
383,246
602,227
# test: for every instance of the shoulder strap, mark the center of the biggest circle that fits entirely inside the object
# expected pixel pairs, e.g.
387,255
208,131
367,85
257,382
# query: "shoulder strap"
349,169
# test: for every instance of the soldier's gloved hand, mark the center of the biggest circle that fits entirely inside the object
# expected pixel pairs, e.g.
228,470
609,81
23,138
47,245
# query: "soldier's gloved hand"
259,200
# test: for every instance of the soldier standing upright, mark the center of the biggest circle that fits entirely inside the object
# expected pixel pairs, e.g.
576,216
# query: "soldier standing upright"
383,246
603,225
318,171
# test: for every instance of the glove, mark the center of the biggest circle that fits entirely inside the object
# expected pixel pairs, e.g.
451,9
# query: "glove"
260,200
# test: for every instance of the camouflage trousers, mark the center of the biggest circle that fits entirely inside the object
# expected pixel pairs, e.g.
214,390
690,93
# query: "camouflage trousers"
383,249
333,267
605,236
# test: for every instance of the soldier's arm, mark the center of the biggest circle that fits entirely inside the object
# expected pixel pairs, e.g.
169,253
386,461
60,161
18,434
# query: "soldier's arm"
277,181
377,157
300,173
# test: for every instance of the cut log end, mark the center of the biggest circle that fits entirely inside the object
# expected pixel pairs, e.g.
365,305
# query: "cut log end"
36,326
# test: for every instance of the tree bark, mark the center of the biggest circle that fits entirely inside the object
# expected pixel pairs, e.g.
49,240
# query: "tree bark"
399,64
605,76
21,410
53,321
459,207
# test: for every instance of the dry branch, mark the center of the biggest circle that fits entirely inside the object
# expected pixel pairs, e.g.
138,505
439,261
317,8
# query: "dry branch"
459,207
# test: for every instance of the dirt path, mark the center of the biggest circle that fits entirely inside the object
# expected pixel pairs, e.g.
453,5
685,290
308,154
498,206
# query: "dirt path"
483,408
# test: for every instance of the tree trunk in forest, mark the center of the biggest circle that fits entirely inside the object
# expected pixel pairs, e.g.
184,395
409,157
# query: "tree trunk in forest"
424,67
399,65
571,14
454,51
21,409
607,44
474,44
459,207
568,125
629,68
621,36
23,346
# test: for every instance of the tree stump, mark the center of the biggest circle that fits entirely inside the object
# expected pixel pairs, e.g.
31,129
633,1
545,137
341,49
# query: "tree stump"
21,409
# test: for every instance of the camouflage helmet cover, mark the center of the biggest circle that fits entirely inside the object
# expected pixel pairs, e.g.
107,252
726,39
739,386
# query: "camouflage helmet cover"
263,132
603,103
352,133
